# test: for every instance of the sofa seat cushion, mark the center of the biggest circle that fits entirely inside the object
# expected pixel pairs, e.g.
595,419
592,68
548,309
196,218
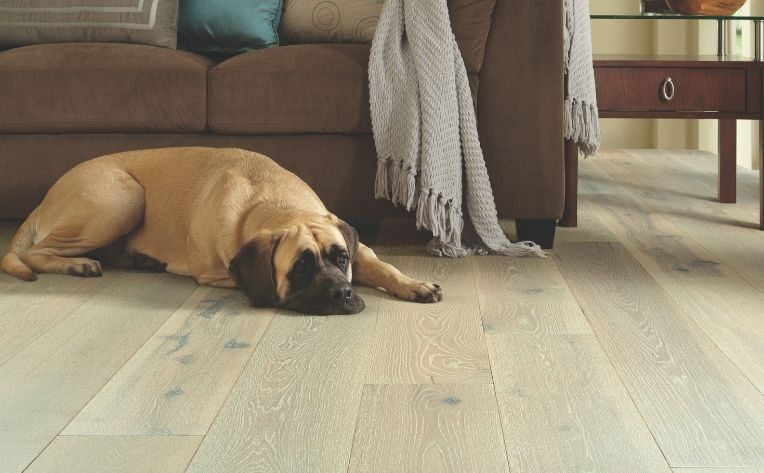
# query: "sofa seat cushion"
100,87
307,88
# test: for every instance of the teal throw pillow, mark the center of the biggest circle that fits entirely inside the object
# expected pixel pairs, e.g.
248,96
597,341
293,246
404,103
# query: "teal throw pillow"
228,26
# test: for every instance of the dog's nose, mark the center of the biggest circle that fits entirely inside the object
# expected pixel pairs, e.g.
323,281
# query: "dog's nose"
341,292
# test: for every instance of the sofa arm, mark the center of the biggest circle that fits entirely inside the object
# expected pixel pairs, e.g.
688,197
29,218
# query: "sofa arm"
520,108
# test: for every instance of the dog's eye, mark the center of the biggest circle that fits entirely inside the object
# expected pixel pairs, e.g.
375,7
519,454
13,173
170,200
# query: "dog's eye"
342,261
303,264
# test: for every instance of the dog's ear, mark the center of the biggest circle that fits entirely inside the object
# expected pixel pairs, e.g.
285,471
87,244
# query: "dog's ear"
351,238
252,269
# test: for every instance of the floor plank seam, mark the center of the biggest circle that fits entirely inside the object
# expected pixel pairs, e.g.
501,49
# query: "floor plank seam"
74,416
43,333
501,419
233,385
355,429
668,216
613,368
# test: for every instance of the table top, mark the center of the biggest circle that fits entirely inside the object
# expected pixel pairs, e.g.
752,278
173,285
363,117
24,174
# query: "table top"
672,16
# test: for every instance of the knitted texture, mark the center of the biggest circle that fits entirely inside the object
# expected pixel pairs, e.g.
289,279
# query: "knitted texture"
581,115
425,130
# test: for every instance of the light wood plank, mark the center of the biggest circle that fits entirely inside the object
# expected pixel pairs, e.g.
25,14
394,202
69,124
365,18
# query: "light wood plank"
589,228
718,470
699,407
525,295
729,311
295,406
116,454
431,343
725,306
564,409
694,174
177,382
593,180
428,428
702,166
46,384
29,309
728,238
655,242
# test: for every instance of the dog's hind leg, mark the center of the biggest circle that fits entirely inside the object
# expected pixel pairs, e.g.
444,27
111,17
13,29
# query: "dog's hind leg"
85,210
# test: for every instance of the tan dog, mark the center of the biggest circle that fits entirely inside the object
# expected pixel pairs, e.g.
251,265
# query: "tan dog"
227,217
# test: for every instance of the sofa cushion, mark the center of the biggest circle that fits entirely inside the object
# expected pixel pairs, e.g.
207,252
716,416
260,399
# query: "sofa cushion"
99,87
307,88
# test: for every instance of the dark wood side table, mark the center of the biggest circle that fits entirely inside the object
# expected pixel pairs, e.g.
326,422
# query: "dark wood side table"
708,87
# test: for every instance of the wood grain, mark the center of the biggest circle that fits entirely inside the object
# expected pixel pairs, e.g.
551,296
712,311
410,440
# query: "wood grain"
724,305
431,343
295,406
699,407
28,310
654,241
718,470
428,428
589,228
525,295
47,383
698,170
726,237
563,408
696,89
177,382
116,455
729,311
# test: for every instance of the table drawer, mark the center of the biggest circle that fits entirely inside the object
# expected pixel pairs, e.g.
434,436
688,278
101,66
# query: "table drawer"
671,89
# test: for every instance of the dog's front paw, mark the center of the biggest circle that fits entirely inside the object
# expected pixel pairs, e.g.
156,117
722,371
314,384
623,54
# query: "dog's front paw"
420,291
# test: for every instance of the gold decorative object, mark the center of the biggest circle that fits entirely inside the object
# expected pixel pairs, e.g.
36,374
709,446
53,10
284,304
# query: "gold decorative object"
705,7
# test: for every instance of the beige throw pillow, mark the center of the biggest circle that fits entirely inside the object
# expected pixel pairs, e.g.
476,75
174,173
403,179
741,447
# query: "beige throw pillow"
152,22
329,21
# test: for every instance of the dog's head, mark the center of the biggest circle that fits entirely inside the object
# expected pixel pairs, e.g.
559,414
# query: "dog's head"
306,267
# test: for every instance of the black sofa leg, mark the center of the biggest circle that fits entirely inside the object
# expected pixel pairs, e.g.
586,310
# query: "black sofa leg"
540,231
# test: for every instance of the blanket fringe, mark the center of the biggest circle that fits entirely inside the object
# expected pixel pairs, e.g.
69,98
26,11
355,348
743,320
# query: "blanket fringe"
392,185
582,125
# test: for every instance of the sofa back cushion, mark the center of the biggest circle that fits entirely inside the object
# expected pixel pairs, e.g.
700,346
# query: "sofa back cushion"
355,21
151,22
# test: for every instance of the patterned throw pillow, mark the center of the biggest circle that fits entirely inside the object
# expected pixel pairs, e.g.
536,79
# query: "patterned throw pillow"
329,21
152,22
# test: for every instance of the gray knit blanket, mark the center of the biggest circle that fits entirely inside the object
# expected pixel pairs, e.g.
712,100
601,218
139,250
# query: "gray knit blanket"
425,130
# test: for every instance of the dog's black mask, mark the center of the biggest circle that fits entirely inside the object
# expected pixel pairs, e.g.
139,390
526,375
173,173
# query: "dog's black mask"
316,283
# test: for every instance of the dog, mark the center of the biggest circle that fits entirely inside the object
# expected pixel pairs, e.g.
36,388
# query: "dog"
226,217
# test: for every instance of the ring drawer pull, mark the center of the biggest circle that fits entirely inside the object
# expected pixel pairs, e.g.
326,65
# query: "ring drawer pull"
668,90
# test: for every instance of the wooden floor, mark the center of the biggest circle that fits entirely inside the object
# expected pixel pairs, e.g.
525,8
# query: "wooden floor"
638,346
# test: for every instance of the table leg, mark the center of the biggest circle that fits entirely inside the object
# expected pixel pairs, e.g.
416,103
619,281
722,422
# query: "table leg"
761,174
570,212
727,160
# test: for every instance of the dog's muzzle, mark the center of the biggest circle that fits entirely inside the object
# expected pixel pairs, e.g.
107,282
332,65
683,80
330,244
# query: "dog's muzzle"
328,295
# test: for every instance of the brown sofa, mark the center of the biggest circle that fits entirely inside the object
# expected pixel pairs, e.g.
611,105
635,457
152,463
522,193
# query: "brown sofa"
306,106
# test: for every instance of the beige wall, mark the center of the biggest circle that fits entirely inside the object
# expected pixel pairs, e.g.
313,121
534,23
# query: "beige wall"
666,37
